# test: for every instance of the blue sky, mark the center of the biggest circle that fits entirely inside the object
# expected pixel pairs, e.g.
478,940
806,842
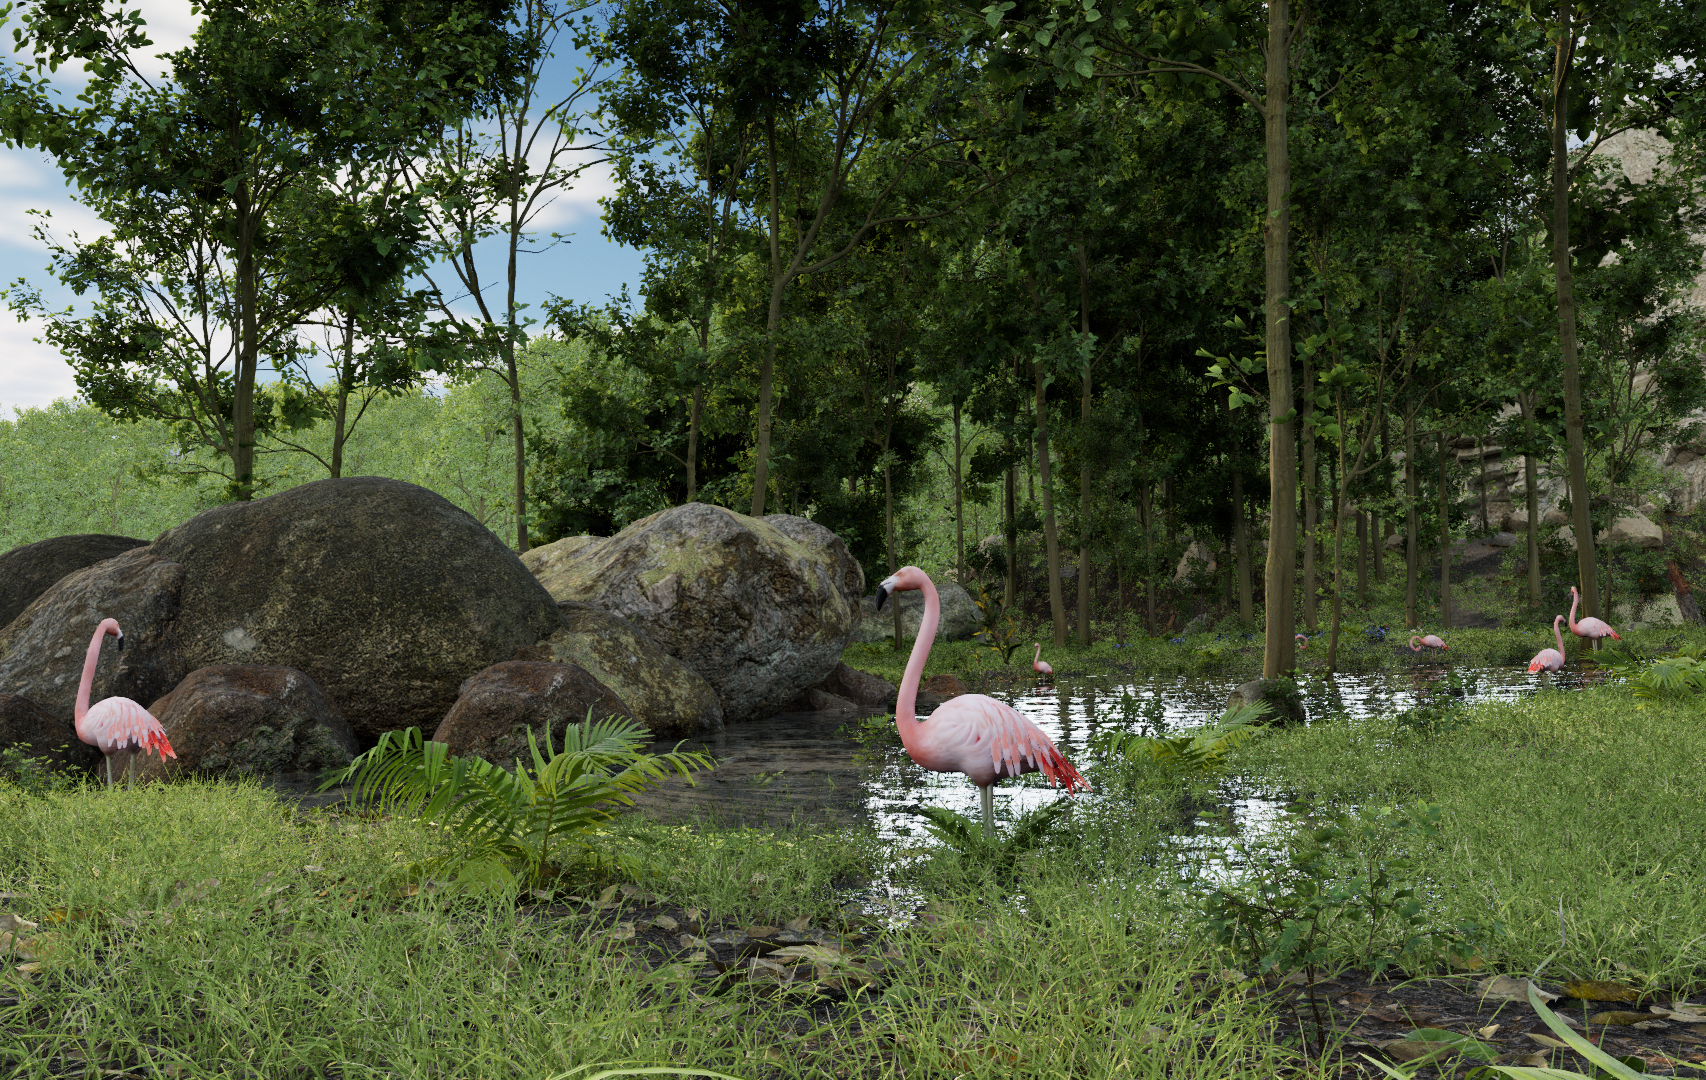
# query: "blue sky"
587,268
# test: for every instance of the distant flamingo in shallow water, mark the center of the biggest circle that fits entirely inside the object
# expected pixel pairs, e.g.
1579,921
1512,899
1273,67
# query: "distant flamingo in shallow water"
1040,665
972,734
1432,641
1302,640
1550,659
116,725
1590,628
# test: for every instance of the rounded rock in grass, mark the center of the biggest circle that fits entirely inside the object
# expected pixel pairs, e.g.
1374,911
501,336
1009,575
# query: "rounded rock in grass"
235,720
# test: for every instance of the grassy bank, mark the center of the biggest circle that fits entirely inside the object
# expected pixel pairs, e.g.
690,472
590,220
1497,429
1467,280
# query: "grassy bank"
1235,654
203,930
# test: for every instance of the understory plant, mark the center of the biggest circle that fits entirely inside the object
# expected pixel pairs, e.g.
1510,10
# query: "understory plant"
1200,752
1680,674
999,854
513,827
1000,631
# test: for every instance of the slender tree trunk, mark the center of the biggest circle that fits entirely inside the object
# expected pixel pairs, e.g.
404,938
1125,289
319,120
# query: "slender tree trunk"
1311,494
346,379
888,491
1056,598
1147,510
1381,528
1575,449
773,323
1280,653
1012,531
1341,506
1085,632
1532,482
1412,522
1444,540
1241,542
1362,557
959,504
248,353
693,442
518,435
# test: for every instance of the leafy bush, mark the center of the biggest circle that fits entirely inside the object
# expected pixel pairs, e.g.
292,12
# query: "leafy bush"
32,775
1000,854
1000,630
514,827
1681,674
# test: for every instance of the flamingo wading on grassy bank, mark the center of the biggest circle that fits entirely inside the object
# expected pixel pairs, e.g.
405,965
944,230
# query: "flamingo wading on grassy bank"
1039,665
1550,659
116,725
972,734
1432,641
1590,628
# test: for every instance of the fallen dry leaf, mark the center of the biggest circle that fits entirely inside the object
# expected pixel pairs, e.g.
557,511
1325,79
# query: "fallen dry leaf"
1505,988
664,922
1416,1049
1526,1061
621,931
800,925
1549,1041
9,921
1487,1032
818,954
1597,990
1617,1017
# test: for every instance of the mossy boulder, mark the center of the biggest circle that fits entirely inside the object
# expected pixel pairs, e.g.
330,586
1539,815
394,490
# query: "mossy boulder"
1285,704
760,608
960,617
238,720
660,691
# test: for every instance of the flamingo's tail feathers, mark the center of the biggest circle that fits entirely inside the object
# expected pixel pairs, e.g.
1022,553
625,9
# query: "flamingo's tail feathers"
1615,636
1060,771
157,742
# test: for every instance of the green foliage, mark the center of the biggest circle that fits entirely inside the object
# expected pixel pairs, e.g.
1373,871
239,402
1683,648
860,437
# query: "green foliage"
1344,889
998,855
513,822
32,775
1000,632
1681,674
1200,752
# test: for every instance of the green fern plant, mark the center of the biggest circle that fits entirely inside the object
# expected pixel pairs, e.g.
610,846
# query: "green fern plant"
1681,673
513,826
1201,751
1001,854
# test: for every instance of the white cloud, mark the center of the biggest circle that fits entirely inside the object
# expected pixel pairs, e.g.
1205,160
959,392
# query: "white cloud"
32,375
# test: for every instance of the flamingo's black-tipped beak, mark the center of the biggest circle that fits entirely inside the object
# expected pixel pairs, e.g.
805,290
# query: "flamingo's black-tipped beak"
121,641
883,592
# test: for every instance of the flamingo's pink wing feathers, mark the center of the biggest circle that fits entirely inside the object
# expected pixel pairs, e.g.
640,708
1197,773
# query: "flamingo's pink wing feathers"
120,724
987,740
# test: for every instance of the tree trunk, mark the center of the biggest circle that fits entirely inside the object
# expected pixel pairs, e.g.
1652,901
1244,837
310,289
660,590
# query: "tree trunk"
1341,505
340,416
513,376
1531,480
1444,540
1486,512
959,505
1311,493
1362,557
248,353
773,322
1575,451
1412,522
1012,531
1280,653
1146,509
693,443
1241,543
1056,598
1380,528
888,529
1085,634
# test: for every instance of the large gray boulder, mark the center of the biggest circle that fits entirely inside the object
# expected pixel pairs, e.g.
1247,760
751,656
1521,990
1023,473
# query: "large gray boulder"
502,704
41,734
660,691
960,617
237,720
29,570
385,594
760,609
42,650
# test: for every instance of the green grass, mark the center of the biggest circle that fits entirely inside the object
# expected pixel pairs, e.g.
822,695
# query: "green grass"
202,930
1574,802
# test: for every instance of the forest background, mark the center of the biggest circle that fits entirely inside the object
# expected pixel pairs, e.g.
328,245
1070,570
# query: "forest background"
1035,296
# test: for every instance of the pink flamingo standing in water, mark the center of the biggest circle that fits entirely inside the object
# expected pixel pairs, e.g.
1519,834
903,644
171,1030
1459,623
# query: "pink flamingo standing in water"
1039,665
1550,659
972,734
1432,641
116,725
1591,628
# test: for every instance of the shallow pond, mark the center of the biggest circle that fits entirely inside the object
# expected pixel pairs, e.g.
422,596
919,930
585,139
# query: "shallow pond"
806,769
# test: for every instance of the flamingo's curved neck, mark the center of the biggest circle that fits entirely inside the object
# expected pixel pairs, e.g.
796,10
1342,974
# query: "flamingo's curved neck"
93,657
1557,633
906,702
1413,646
1575,598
